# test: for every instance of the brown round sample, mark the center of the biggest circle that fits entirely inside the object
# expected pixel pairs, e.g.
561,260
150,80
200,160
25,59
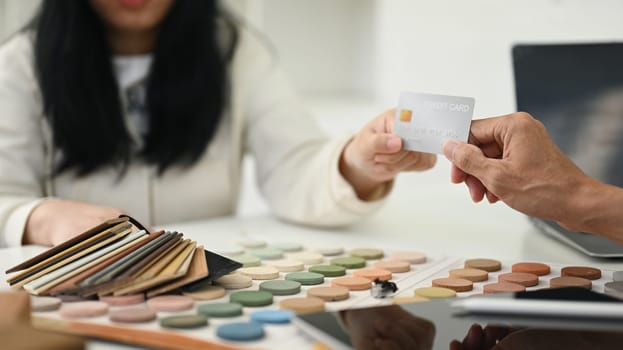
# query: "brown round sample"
123,300
84,309
207,292
489,265
170,303
474,275
523,278
568,281
44,303
536,268
329,293
590,273
456,284
395,266
374,274
132,315
502,287
302,305
352,283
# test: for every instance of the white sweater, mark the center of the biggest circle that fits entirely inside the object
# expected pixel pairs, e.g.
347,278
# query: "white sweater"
297,166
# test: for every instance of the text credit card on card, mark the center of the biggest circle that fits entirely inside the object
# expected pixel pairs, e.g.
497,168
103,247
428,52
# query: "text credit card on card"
425,121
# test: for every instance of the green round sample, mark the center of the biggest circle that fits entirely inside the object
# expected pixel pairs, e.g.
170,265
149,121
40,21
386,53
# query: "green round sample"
329,270
220,310
367,253
281,287
306,278
247,260
352,262
184,321
268,253
251,298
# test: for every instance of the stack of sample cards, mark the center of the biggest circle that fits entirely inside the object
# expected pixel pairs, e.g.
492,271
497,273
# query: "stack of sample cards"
115,259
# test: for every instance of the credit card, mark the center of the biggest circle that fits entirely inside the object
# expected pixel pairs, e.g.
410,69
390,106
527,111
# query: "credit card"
425,121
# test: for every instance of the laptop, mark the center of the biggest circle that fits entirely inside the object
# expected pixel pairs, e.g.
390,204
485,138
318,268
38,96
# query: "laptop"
576,91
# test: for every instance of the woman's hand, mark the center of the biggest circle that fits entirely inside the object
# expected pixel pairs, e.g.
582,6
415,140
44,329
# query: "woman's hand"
56,220
375,156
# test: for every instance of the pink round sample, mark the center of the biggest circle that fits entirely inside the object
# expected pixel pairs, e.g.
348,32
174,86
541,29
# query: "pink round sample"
83,309
132,315
410,257
170,303
123,300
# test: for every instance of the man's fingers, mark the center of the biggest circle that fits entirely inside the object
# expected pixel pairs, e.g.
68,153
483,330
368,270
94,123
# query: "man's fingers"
476,189
466,157
457,175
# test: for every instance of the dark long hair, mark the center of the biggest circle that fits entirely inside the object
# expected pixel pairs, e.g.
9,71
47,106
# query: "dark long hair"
187,87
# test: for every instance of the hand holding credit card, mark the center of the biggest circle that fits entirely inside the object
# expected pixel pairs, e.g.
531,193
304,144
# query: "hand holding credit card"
424,121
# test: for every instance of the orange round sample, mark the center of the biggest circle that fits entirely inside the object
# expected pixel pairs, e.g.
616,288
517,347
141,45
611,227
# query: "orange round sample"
523,278
352,283
568,281
538,269
502,287
589,273
395,266
489,265
374,274
329,293
456,284
302,305
474,275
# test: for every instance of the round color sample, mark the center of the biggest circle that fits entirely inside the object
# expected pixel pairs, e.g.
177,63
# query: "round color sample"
523,278
241,331
251,243
413,299
288,246
412,258
329,293
307,258
207,292
260,272
44,303
474,275
352,283
247,260
614,289
590,273
219,310
395,266
286,265
170,303
272,316
568,281
228,250
306,278
123,300
489,265
435,292
329,270
302,305
132,315
349,262
235,281
502,287
536,268
251,298
184,321
367,253
456,284
374,274
69,298
268,253
83,309
281,287
330,251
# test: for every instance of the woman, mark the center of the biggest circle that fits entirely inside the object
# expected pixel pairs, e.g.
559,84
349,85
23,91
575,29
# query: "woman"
147,107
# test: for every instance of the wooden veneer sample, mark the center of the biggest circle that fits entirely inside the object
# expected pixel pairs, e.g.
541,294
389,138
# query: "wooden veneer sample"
197,270
69,243
153,257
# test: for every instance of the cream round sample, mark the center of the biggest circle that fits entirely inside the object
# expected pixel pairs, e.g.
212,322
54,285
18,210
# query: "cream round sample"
207,292
410,257
367,253
44,303
395,266
260,272
235,281
307,258
435,292
303,305
286,265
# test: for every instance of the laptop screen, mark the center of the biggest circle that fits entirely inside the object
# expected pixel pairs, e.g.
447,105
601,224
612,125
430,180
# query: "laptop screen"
576,91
